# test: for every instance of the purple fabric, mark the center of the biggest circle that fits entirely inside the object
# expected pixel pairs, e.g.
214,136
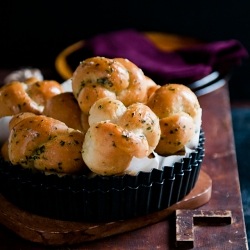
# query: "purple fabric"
184,65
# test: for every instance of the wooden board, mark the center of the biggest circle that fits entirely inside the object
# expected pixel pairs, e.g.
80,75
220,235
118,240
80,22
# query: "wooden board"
57,233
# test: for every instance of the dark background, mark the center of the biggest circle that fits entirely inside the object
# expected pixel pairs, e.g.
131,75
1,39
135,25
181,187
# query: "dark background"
32,34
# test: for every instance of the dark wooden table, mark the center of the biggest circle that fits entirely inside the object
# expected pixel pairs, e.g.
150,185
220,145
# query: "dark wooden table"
219,163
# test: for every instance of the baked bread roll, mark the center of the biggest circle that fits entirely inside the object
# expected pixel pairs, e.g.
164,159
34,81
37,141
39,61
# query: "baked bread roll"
117,134
119,78
45,144
64,107
17,97
180,116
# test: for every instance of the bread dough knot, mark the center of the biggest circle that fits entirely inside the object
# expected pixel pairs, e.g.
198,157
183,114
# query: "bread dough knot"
180,116
43,143
119,78
117,134
28,96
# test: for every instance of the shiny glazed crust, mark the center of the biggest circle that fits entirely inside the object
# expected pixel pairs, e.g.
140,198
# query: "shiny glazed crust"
118,78
117,134
30,96
46,144
179,112
64,107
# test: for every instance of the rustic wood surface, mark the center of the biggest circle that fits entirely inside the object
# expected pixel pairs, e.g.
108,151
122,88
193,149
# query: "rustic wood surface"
187,219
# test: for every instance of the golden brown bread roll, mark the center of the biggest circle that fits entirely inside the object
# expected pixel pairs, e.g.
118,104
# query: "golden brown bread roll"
117,134
119,78
46,144
64,107
19,117
17,97
180,116
41,91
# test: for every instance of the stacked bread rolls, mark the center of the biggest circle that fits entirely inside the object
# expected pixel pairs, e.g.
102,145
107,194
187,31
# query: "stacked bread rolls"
114,114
